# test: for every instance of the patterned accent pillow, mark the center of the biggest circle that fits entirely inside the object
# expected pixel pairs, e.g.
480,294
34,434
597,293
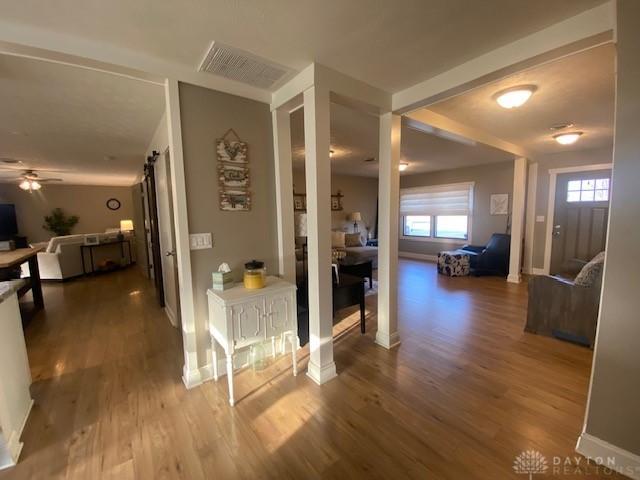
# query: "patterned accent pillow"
352,240
590,272
337,239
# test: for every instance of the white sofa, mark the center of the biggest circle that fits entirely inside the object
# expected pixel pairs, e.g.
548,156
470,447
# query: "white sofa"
62,257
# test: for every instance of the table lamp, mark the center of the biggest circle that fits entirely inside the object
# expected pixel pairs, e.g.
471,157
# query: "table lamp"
125,226
355,217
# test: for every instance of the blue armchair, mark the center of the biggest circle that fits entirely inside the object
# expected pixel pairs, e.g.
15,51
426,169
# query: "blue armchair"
492,258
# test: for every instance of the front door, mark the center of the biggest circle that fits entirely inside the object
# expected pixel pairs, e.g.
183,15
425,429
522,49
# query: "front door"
580,219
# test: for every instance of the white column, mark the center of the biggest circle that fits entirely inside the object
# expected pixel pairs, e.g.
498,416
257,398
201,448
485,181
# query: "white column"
388,206
321,367
284,194
191,375
530,217
517,218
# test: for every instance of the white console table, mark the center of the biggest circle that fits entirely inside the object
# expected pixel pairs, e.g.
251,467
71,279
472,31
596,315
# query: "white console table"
15,375
240,317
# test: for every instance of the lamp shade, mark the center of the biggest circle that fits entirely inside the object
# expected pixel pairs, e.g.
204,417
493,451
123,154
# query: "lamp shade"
356,217
126,225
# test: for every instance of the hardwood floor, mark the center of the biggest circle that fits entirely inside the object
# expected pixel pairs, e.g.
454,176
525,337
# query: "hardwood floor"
464,394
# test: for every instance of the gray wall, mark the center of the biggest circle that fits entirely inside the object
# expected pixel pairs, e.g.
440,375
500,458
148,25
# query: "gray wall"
238,237
558,160
614,414
489,179
360,195
88,202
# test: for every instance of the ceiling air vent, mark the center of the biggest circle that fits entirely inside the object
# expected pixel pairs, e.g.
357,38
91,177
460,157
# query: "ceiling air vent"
242,66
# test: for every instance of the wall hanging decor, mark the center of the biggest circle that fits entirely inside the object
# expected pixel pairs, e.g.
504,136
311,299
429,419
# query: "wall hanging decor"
235,200
499,204
233,173
233,176
300,201
232,151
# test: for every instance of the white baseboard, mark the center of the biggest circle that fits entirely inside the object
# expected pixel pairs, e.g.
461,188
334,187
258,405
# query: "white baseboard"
171,315
604,453
386,340
513,278
322,374
11,452
418,256
538,271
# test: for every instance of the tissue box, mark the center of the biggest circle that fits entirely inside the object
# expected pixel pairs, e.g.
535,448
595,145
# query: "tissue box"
222,280
222,277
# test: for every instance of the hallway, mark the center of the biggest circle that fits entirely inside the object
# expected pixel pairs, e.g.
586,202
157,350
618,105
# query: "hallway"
464,394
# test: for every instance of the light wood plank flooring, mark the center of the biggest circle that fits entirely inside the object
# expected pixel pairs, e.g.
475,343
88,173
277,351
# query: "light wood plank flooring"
463,395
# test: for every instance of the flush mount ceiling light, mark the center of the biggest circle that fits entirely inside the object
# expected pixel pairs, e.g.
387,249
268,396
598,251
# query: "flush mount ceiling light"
514,97
568,138
403,166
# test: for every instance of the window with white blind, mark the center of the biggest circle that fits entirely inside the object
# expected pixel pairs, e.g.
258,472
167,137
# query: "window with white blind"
437,212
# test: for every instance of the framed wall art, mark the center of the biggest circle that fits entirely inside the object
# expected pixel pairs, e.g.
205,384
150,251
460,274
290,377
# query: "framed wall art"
235,200
499,204
233,176
231,149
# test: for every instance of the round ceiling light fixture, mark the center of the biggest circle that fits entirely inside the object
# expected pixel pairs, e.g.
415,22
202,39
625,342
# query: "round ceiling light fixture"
514,97
568,138
403,166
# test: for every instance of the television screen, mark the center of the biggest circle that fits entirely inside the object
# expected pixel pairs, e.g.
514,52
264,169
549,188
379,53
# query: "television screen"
8,224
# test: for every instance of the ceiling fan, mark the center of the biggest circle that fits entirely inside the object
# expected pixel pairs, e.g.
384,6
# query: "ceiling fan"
30,180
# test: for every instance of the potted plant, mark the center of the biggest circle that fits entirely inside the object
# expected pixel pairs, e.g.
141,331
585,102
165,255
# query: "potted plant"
59,223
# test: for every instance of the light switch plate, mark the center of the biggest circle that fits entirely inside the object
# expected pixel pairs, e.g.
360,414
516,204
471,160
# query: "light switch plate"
540,218
200,241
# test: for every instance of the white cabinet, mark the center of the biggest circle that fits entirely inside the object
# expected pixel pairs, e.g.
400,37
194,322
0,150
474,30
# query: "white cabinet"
239,318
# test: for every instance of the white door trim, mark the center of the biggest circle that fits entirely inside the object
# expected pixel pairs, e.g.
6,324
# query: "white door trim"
551,204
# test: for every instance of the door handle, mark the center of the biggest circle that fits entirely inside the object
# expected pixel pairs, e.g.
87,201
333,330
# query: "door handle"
557,230
171,253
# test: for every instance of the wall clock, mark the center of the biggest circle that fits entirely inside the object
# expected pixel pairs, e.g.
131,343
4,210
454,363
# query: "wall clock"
113,204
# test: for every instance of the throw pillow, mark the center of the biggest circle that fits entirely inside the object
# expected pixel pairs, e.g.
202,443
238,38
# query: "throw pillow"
337,239
352,240
590,272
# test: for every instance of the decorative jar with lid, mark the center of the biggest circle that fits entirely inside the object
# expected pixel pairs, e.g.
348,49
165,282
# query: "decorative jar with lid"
254,275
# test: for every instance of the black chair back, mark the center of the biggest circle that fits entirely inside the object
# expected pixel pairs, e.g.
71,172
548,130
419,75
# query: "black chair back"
499,244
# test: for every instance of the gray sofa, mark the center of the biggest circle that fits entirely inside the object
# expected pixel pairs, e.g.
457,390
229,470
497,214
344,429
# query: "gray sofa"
566,309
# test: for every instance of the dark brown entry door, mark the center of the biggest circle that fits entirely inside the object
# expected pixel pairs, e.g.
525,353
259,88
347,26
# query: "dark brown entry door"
580,219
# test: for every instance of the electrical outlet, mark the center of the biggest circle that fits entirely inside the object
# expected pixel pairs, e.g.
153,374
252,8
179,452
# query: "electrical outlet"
200,241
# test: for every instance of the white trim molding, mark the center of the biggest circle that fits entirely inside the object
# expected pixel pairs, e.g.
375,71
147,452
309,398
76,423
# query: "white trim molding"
418,256
13,448
608,455
551,204
530,217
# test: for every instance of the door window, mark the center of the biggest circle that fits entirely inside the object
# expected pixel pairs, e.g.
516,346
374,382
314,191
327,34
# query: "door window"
588,190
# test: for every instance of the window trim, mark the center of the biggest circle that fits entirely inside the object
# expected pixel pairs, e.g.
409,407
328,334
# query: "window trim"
403,220
432,234
432,237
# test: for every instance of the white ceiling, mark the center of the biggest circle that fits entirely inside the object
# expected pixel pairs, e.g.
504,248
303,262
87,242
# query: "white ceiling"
579,89
390,44
66,118
354,138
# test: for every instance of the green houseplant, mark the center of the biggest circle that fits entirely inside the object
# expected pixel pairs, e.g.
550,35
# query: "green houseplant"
59,223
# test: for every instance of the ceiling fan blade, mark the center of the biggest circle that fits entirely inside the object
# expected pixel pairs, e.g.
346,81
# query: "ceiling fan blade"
45,180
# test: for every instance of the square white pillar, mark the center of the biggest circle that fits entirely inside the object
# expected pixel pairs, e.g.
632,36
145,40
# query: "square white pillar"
321,367
281,121
388,207
517,218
